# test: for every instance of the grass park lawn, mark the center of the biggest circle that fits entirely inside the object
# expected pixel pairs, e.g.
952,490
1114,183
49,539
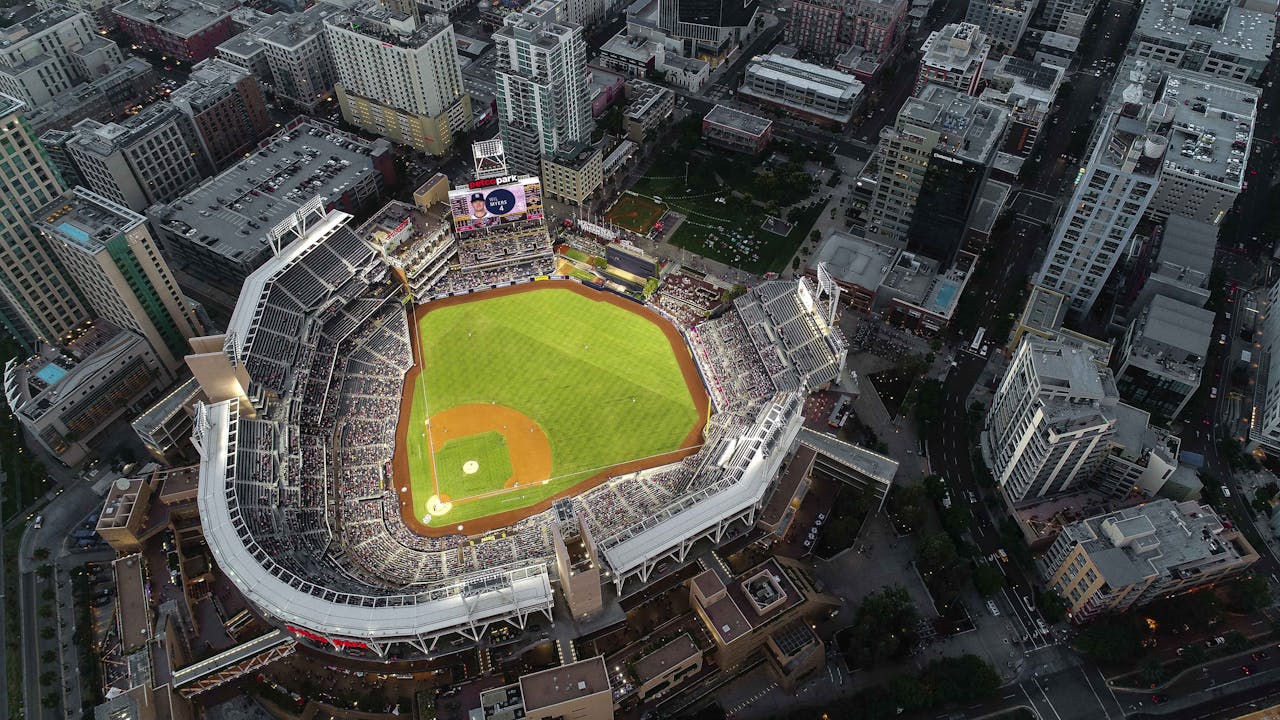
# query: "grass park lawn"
601,382
704,217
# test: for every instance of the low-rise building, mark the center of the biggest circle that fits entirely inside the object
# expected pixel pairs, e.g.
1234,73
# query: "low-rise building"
737,130
165,427
857,264
1162,355
1181,264
666,668
1142,459
954,57
921,294
817,94
763,611
186,30
1122,560
50,52
574,173
576,690
1056,49
215,235
1027,91
649,109
103,99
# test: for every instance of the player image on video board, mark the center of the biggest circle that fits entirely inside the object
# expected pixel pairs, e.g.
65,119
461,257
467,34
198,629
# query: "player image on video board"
485,207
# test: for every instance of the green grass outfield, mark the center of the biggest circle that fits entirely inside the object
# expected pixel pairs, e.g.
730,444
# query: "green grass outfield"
602,383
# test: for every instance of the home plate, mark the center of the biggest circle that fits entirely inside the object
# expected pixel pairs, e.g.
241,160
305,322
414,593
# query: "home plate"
437,506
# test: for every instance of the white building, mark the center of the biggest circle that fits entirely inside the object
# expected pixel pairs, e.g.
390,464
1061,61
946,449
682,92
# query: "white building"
52,51
953,57
543,105
810,91
1162,356
1216,37
1051,421
1004,21
399,78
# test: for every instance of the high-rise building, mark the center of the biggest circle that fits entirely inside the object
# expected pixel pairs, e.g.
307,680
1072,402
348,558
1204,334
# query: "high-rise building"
52,51
709,29
398,78
1153,113
224,104
36,301
107,251
1122,560
1051,421
299,61
953,57
543,106
151,158
1004,21
936,156
1216,37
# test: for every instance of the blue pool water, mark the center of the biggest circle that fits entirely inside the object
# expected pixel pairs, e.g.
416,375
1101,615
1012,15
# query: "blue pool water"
51,373
945,295
74,232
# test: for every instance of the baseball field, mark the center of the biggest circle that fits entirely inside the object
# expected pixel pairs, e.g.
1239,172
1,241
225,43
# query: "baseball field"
524,394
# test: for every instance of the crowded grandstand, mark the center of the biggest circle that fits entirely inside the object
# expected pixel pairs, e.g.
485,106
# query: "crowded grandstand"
297,496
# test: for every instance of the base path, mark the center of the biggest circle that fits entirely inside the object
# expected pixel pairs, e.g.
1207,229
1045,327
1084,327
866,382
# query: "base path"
528,457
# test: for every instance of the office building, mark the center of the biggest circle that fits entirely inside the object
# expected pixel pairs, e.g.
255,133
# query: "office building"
215,235
636,50
1142,459
111,257
737,130
50,52
67,394
150,158
576,690
1051,421
1122,560
543,105
1043,316
1217,38
811,92
225,106
709,29
37,302
1057,49
574,173
1053,12
182,30
399,79
936,155
165,427
953,57
1004,21
1162,356
1264,421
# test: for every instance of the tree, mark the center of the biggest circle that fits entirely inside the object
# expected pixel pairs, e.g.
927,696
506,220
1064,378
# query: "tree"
795,263
1236,641
907,505
48,677
1152,670
41,554
50,700
1194,654
48,656
47,633
883,629
941,567
1111,640
987,580
1249,594
1051,606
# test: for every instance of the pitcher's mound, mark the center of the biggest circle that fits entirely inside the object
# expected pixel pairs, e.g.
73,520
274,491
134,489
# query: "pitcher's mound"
470,467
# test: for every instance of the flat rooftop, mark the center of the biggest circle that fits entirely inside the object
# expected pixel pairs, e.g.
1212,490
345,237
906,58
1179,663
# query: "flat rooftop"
1045,310
815,79
183,18
104,139
387,26
970,128
1188,243
567,682
299,28
37,23
231,212
666,657
873,465
1247,34
209,82
1158,538
738,121
1066,371
1172,337
854,260
84,219
131,596
958,46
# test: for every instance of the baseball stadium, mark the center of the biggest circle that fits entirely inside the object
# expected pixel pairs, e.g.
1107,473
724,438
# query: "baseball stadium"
414,432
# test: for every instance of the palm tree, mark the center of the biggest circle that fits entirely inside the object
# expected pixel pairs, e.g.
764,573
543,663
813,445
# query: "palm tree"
46,633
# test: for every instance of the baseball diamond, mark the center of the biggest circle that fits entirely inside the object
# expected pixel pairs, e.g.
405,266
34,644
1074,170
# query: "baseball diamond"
546,389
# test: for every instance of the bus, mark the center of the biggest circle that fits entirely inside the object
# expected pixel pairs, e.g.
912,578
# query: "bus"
977,339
